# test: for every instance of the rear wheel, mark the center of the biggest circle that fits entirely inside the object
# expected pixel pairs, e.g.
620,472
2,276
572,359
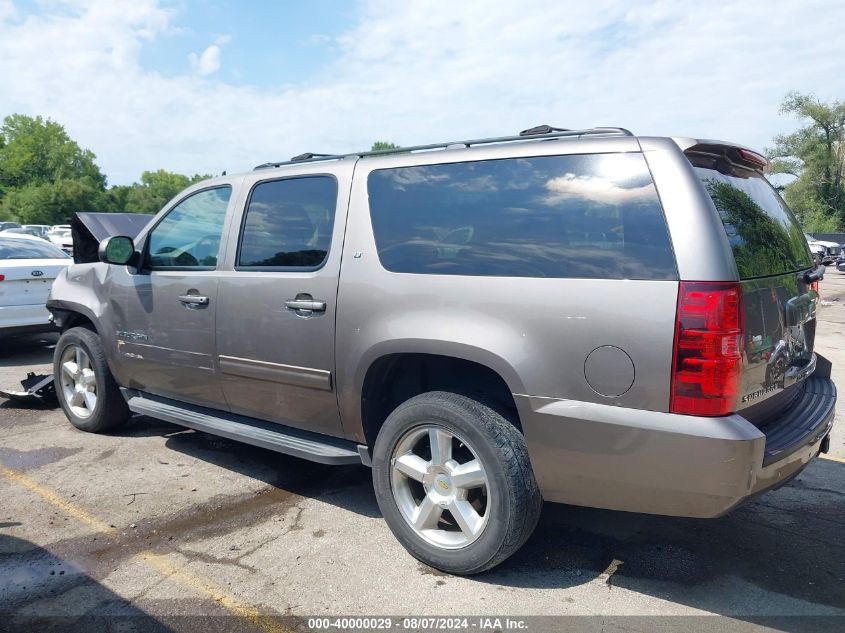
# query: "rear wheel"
85,387
454,482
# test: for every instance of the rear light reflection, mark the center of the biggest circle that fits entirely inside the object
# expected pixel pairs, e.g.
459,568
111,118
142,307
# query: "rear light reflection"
707,357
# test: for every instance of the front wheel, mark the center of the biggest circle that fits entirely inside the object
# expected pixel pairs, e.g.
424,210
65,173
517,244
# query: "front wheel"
454,483
84,384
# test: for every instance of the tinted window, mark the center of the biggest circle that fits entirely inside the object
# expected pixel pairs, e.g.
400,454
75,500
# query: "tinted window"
16,248
289,223
189,235
594,216
765,237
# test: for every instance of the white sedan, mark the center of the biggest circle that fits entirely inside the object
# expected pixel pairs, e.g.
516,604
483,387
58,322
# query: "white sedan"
62,238
28,267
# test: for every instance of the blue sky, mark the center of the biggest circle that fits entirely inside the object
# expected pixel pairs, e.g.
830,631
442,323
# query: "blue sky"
277,44
202,86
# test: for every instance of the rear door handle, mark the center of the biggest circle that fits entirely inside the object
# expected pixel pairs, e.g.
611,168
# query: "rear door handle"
306,304
197,300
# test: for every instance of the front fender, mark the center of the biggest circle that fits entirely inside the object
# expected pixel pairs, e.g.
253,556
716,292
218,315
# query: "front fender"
83,289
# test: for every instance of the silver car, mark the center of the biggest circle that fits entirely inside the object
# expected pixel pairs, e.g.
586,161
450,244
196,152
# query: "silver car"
577,316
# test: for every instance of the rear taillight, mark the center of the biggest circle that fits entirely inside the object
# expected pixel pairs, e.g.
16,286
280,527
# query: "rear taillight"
707,358
2,277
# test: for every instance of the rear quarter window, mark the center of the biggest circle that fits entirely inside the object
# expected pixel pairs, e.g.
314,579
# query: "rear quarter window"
765,237
17,248
577,216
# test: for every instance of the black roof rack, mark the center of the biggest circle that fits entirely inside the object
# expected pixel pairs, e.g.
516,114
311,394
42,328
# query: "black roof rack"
539,132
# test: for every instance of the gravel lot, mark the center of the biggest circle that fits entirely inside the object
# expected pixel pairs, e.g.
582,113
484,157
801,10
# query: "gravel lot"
155,525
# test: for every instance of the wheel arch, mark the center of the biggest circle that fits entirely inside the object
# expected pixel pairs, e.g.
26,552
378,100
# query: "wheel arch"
394,376
67,314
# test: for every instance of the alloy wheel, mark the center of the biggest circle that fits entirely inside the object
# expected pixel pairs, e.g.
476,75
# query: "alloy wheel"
78,381
440,486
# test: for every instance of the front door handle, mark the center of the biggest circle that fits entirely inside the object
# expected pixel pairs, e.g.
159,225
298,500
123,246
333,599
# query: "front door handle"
197,300
306,304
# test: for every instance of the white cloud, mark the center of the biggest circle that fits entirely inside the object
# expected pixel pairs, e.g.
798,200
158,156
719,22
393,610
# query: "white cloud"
594,188
417,72
7,10
208,62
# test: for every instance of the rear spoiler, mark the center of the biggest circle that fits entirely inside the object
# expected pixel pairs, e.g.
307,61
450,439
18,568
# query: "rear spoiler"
732,152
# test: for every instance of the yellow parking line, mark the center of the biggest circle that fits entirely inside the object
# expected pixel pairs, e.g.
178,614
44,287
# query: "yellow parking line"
252,615
156,562
54,498
833,458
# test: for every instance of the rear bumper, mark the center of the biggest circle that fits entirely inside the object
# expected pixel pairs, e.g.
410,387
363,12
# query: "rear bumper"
25,318
661,463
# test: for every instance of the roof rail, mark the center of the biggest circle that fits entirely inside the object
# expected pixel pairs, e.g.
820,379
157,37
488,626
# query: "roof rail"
541,132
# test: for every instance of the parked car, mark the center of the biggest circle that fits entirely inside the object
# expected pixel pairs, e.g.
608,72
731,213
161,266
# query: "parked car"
20,231
61,238
40,229
586,317
840,263
28,267
9,225
826,251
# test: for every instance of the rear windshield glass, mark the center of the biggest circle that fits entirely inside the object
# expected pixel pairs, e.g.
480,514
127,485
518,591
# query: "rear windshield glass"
589,216
17,248
765,237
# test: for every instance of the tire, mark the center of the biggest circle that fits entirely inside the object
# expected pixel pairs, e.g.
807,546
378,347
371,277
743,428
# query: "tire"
413,484
107,409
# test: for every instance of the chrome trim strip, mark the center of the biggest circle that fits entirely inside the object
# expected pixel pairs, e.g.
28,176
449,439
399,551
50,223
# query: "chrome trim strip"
276,372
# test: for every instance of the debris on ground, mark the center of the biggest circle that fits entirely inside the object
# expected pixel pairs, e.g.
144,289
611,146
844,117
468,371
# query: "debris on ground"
607,574
38,389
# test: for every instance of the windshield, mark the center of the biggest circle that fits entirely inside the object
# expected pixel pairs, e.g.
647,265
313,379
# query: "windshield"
15,248
765,237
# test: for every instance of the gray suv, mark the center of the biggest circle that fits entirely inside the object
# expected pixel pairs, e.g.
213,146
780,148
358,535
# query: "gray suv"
577,316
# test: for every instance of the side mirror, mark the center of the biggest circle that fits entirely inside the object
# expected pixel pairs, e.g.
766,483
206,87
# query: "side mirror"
116,250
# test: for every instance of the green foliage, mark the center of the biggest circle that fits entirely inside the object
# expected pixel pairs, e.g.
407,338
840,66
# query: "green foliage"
155,189
36,151
45,177
114,198
759,242
383,145
52,202
815,155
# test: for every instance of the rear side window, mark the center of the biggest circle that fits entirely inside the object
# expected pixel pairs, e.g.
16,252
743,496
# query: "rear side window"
589,216
18,248
288,224
765,237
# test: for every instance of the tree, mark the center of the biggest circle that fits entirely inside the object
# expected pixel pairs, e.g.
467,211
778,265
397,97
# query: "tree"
44,175
155,189
37,151
52,202
379,146
762,243
815,156
114,199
